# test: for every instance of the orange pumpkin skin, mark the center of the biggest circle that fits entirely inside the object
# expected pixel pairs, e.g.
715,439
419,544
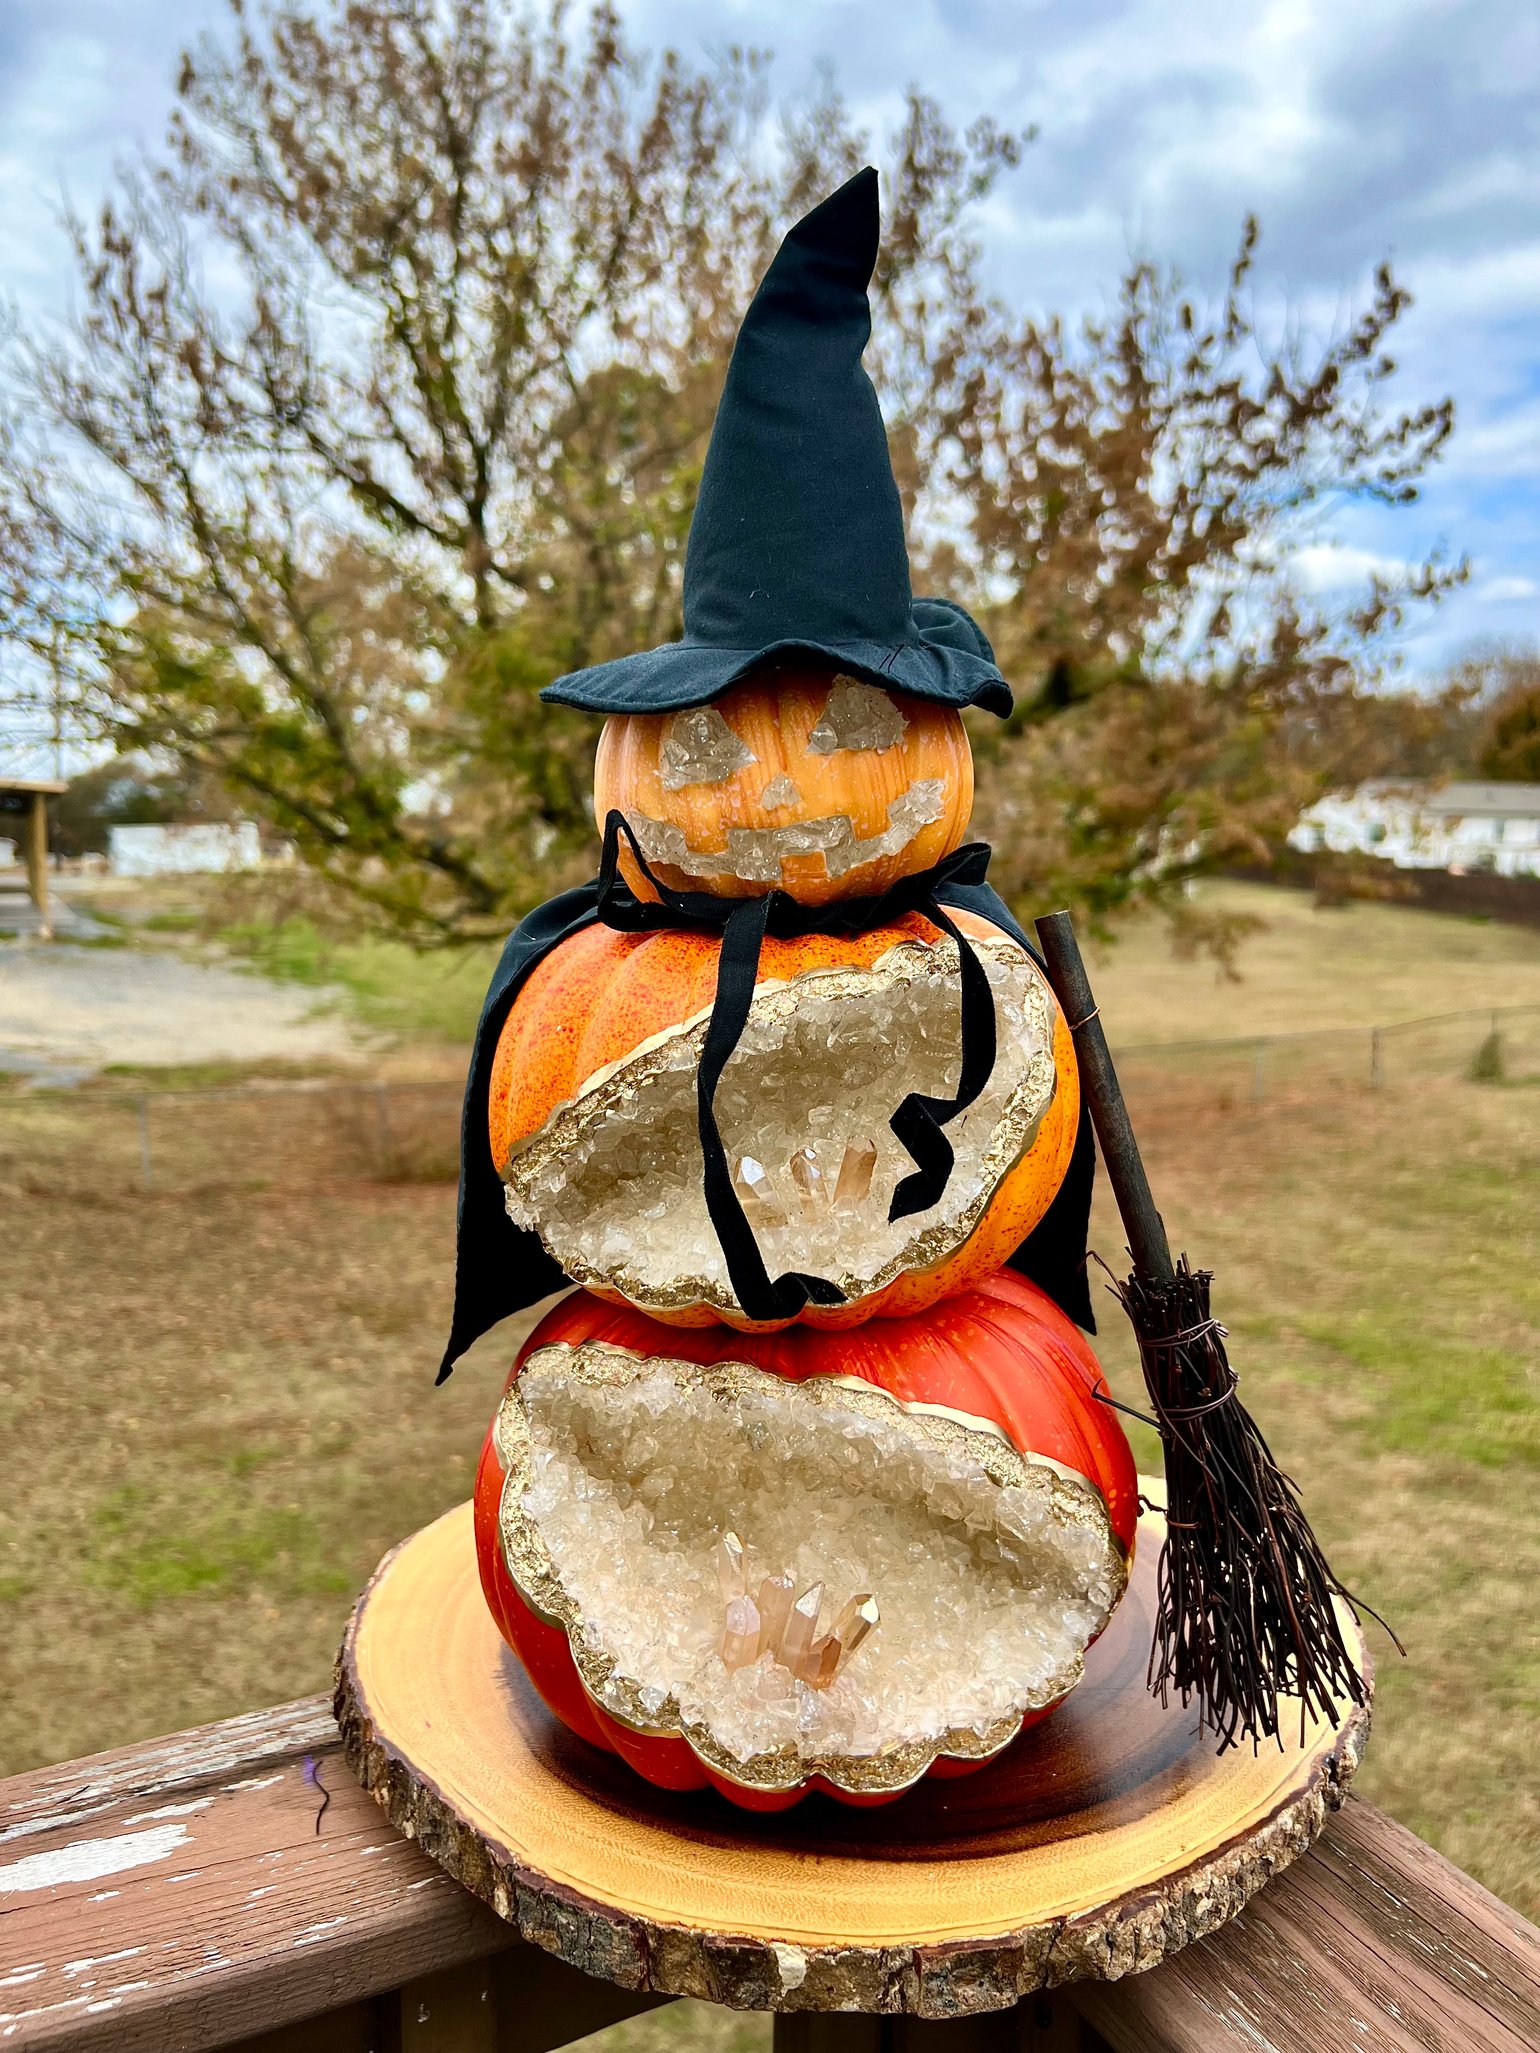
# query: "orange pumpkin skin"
1002,1352
600,995
773,715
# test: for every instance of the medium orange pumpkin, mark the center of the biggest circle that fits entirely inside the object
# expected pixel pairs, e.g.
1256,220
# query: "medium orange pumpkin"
799,779
930,1457
593,1125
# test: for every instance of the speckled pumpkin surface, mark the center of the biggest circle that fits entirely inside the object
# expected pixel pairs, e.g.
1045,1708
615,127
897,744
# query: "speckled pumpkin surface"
592,1115
803,781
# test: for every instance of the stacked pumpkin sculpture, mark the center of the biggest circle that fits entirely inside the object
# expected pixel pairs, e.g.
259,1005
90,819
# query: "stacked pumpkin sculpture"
805,1487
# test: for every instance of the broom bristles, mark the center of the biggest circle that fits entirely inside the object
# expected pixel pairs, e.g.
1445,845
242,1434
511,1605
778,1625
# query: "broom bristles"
1247,1606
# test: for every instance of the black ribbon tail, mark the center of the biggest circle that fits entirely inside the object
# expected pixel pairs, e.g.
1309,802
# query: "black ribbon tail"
737,970
919,1120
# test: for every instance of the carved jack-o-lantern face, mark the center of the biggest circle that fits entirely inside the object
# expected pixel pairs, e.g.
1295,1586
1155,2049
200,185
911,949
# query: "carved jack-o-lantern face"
807,781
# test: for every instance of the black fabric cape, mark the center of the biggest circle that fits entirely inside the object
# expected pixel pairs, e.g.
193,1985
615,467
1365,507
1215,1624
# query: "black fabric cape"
501,1268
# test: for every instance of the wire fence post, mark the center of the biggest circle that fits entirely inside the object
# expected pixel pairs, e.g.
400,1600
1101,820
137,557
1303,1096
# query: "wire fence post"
1376,1060
146,1161
383,1136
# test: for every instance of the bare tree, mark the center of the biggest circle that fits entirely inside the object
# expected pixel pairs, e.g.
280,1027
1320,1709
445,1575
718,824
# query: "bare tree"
1138,491
1504,687
388,395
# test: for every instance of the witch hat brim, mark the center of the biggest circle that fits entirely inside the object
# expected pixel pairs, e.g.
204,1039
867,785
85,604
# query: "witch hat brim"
797,544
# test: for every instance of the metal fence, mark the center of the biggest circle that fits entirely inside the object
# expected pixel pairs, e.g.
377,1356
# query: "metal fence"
1489,1045
329,1132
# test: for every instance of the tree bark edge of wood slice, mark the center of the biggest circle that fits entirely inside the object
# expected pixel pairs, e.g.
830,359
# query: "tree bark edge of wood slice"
493,1767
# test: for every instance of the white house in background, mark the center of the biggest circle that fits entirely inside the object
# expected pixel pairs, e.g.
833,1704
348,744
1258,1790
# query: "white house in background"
1422,827
181,851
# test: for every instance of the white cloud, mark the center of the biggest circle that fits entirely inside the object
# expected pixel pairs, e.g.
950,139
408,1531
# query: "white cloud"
1338,567
1506,591
1504,445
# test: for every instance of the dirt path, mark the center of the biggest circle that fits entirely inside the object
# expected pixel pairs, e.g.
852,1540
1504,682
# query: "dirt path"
72,1009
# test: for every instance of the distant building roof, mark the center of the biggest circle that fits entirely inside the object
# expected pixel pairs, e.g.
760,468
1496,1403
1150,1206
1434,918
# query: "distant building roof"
1509,801
1493,800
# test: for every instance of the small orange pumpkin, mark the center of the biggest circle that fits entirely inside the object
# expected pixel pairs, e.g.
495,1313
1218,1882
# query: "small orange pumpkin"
803,780
593,1127
996,1377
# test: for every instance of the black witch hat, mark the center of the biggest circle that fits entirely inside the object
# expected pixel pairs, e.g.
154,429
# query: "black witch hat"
797,544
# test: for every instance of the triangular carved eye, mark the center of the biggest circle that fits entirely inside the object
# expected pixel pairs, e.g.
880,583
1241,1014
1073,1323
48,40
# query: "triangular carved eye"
700,748
858,716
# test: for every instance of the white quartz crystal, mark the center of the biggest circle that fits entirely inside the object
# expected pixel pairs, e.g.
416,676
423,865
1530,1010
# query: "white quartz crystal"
700,748
754,855
988,1595
803,1108
858,716
780,791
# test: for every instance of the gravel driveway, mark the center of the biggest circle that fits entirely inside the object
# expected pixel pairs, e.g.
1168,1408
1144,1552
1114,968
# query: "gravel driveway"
74,1009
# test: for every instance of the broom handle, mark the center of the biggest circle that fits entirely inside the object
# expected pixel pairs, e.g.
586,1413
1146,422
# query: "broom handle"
1104,1096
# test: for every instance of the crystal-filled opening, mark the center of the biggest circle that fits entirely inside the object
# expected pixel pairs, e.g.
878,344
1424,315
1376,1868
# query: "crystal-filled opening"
613,1181
980,1574
754,855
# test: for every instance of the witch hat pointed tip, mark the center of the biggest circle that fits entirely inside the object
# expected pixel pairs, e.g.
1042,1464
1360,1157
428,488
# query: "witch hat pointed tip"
847,225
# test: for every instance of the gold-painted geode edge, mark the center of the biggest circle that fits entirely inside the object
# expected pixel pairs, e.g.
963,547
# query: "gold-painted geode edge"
1014,1133
1075,1498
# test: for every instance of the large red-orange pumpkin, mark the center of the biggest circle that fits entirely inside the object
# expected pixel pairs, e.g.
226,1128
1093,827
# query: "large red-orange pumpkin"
998,1367
799,779
592,1117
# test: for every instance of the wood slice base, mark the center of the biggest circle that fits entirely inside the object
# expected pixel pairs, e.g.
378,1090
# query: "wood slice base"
1101,1841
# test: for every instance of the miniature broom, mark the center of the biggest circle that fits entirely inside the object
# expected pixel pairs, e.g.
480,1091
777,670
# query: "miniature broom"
1246,1606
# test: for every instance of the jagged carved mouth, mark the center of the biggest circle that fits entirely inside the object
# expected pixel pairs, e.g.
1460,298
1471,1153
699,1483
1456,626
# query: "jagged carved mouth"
754,855
613,1179
988,1571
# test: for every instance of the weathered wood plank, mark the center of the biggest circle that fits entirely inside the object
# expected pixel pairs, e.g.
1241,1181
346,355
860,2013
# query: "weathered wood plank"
177,1896
1372,1940
1041,2024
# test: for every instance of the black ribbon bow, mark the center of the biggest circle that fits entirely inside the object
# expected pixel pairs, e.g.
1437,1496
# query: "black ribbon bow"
743,923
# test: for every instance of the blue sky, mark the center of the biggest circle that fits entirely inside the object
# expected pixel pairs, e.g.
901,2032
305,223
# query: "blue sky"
1407,128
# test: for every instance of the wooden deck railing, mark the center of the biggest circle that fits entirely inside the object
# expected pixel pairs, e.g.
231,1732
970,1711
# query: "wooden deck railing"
233,1887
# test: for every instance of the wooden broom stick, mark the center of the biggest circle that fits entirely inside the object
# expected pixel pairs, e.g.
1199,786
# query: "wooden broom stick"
1247,1603
1142,1222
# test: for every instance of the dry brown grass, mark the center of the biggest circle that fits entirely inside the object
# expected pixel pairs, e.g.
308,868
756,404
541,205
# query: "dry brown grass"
218,1412
1357,965
1376,1262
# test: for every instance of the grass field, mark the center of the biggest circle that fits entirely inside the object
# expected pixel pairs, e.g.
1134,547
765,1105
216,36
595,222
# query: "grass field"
218,1412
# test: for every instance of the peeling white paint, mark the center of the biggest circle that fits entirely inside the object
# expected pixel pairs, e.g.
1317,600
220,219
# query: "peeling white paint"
186,1810
52,1821
312,1935
86,1859
253,1782
78,1967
